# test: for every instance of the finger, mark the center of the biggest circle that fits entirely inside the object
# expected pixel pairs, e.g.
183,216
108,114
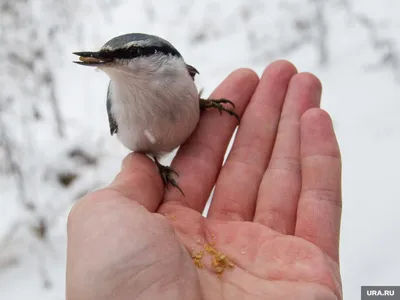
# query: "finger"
199,160
237,187
140,181
280,187
110,225
320,204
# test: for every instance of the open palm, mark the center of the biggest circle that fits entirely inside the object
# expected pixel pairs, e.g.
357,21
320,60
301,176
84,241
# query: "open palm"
274,218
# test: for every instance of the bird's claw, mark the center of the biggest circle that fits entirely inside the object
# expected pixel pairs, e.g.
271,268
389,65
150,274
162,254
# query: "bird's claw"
218,104
167,173
224,101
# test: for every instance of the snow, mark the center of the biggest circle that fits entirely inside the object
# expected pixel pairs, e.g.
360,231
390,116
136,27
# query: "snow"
360,91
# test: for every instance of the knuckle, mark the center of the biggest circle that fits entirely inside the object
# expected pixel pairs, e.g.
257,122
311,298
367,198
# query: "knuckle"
328,196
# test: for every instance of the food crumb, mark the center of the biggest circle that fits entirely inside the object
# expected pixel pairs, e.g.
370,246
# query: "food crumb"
219,260
210,249
170,217
197,257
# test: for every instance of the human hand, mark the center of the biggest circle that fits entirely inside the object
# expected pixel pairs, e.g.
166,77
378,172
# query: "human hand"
275,213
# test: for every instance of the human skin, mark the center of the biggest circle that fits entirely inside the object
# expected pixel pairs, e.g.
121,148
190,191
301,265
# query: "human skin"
275,210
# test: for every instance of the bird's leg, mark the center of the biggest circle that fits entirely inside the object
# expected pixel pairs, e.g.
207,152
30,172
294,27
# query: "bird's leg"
167,173
218,104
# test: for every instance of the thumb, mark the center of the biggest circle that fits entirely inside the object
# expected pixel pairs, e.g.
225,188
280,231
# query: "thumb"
139,181
113,224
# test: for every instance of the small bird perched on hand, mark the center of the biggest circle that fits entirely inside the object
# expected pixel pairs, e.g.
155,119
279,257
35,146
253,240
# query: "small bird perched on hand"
153,104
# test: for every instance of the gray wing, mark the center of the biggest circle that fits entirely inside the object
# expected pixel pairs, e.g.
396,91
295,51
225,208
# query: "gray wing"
111,120
192,71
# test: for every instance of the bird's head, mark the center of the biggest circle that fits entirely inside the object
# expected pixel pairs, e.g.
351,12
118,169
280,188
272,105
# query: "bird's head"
130,53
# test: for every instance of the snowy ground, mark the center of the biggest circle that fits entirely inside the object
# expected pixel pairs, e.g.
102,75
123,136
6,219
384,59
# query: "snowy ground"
362,99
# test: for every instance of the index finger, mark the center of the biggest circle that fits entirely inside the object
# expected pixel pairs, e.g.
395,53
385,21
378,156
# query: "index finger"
199,160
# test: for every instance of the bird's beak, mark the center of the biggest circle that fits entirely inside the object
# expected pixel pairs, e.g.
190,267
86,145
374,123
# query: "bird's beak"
92,59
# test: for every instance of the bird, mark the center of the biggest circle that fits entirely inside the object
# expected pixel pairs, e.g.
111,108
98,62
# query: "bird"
153,104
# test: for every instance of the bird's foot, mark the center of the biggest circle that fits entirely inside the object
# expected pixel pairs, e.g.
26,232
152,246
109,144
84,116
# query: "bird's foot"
167,173
218,104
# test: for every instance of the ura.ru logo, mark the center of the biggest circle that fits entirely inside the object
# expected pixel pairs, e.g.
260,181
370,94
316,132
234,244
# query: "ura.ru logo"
380,292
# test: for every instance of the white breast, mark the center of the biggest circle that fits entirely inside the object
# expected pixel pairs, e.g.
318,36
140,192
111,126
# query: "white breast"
155,103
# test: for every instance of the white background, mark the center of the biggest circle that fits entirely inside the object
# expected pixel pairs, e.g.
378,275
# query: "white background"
361,91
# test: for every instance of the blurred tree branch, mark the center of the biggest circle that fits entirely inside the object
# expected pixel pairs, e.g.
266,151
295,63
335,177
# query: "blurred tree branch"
13,165
322,31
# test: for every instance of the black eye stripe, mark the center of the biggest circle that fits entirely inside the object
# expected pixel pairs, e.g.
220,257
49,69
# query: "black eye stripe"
136,51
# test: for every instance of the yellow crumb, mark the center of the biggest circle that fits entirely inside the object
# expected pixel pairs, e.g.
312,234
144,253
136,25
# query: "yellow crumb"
210,249
170,217
197,257
219,260
89,59
199,264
